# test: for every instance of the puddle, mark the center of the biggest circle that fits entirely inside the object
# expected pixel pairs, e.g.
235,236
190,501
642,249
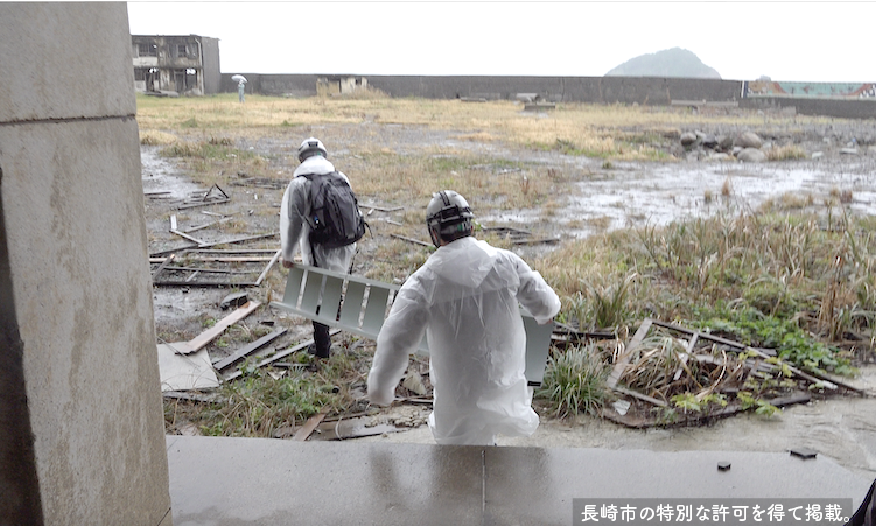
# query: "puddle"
160,175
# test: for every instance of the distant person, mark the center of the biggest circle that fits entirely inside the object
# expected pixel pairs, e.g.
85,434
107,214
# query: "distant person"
465,300
241,87
326,240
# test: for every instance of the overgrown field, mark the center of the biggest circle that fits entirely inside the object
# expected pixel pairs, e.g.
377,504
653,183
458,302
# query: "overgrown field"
794,277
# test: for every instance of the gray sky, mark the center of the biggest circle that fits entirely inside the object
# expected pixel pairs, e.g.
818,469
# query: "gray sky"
786,40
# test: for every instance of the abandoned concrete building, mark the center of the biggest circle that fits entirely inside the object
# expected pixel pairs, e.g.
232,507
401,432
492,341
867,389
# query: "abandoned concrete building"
340,84
185,65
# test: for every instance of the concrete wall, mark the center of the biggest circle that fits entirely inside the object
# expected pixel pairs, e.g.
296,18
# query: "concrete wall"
80,409
607,90
598,90
844,109
210,58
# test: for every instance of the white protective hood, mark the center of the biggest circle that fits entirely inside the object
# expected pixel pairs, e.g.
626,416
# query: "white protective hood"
465,298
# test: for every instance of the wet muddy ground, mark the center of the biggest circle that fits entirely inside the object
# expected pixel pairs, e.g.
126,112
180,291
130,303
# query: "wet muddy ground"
600,197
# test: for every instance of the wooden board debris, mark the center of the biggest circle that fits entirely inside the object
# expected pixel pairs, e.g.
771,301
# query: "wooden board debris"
304,433
213,332
410,240
246,350
624,359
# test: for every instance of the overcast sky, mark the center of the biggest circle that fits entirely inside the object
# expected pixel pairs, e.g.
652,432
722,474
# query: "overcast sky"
793,41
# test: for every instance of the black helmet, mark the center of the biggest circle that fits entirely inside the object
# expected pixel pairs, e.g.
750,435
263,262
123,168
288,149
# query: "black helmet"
448,217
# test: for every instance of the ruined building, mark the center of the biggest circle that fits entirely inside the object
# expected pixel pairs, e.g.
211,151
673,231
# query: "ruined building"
182,64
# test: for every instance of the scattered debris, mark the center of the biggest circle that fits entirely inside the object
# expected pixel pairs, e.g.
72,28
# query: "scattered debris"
410,240
276,357
246,350
182,369
264,273
213,332
382,208
233,300
668,380
304,433
804,453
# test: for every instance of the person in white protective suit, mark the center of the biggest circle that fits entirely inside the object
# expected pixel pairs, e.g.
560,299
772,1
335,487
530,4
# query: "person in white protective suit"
465,298
295,230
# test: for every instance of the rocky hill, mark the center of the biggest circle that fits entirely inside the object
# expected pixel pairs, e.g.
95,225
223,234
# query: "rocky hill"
675,62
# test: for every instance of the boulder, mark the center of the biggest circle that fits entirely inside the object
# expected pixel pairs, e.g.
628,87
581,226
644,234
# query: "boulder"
709,141
725,142
749,140
688,139
751,155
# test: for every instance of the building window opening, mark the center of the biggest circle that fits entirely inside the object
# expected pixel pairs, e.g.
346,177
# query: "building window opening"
147,50
181,50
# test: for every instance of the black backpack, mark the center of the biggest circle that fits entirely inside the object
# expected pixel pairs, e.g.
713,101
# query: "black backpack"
335,220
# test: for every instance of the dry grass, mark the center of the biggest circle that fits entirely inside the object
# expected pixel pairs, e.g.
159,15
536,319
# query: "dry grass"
790,152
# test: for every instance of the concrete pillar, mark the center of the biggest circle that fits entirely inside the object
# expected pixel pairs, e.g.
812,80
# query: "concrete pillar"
81,431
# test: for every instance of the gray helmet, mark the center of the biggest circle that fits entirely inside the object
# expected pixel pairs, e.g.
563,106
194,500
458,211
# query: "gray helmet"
448,217
311,147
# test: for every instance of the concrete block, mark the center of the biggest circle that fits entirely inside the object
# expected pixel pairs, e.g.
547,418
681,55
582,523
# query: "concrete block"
62,60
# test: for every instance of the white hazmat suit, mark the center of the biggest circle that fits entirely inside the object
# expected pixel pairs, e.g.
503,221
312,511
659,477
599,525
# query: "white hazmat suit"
465,298
294,229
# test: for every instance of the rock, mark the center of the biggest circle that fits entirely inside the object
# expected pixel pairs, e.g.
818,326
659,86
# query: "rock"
749,140
751,155
817,155
709,141
849,151
234,300
725,142
687,139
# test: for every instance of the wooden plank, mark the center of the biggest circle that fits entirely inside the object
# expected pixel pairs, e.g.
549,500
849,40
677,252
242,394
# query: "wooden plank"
264,273
186,236
277,356
716,339
624,360
205,203
246,350
230,251
216,244
213,332
207,225
411,240
383,208
640,396
548,241
177,283
162,266
304,433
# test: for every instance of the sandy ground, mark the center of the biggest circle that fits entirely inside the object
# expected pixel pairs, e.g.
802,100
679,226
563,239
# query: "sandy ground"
843,429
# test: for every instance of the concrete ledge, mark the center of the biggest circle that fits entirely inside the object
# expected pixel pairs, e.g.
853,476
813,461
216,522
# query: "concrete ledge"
251,481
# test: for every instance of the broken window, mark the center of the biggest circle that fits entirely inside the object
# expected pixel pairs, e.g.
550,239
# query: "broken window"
140,74
181,50
147,50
